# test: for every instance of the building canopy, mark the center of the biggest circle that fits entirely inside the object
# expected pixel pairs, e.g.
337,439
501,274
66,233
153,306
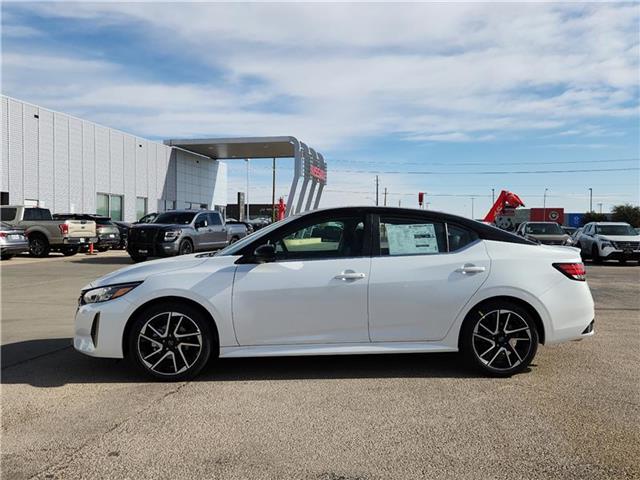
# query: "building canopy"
309,164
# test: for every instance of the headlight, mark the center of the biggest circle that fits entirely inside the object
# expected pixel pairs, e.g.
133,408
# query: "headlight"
606,244
102,294
171,235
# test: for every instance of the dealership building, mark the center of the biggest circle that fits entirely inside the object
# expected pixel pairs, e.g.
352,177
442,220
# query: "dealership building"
70,165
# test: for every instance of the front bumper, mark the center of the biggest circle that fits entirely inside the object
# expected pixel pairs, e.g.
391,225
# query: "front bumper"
99,328
617,254
159,249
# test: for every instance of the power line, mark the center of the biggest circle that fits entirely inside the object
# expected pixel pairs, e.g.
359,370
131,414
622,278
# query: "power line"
528,162
496,172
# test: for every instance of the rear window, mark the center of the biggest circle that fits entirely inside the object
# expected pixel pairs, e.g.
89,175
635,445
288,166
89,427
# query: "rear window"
103,221
33,214
7,214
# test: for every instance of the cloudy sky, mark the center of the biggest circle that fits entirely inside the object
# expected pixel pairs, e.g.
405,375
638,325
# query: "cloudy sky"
450,99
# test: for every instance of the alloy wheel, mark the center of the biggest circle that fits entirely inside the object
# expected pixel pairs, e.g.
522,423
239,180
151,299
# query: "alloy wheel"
36,247
502,339
169,343
186,248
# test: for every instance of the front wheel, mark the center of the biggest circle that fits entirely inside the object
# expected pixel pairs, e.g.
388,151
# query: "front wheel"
170,342
499,338
6,256
138,258
185,248
103,249
69,251
595,255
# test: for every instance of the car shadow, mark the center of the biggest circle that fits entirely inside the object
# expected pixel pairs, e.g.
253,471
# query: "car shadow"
53,363
98,260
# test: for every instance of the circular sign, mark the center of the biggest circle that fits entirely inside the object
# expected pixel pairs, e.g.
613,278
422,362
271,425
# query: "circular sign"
553,215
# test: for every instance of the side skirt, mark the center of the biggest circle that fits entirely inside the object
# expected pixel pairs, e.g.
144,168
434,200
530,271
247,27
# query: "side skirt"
333,349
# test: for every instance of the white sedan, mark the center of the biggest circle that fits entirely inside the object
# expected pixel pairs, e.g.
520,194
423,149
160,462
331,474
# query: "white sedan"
358,280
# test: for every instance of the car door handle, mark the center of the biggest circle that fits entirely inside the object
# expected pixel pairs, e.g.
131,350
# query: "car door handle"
469,268
347,275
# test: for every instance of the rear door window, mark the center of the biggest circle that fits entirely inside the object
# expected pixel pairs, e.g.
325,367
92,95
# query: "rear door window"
214,219
411,236
460,237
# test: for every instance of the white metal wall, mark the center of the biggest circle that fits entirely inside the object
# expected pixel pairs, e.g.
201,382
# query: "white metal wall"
63,162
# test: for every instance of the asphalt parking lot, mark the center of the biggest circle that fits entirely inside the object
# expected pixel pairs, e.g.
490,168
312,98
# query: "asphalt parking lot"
575,414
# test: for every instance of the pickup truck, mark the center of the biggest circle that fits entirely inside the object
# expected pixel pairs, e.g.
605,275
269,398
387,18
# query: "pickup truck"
46,234
180,232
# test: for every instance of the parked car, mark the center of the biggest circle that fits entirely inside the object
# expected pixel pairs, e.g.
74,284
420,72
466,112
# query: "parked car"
180,232
233,221
547,233
342,281
573,239
46,234
12,241
609,241
569,230
148,218
123,228
107,232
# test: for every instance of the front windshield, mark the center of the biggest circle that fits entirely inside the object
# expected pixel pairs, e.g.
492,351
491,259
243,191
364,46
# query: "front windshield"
621,230
544,229
175,218
240,244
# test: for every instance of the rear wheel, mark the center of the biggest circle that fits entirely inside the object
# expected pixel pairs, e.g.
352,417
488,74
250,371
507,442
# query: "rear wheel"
38,246
138,258
234,239
103,249
6,256
170,342
69,251
499,338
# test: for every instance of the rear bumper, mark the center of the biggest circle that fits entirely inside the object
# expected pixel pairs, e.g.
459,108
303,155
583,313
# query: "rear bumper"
107,241
14,248
79,240
571,312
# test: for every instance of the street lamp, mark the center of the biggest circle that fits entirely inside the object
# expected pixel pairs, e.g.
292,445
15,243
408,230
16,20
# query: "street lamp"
247,196
544,204
590,199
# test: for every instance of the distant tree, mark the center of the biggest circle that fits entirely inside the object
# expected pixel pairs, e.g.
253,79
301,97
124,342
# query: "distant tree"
594,217
626,213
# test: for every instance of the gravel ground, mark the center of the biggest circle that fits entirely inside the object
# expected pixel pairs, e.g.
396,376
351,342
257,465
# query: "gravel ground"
575,414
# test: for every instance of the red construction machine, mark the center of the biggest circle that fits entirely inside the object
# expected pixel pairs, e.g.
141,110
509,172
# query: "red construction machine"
504,205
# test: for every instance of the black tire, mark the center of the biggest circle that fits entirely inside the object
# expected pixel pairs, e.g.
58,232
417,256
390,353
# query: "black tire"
185,248
155,352
103,249
39,245
595,255
234,239
6,256
514,351
138,258
69,251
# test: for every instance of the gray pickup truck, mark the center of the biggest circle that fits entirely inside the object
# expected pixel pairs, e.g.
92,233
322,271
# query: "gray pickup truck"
46,234
180,232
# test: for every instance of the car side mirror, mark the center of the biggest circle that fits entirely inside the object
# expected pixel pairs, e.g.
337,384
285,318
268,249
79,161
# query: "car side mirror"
265,253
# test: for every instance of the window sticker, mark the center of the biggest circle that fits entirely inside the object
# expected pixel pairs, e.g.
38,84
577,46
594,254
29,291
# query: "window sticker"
412,239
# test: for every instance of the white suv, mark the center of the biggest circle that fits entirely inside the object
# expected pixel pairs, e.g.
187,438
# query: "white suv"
609,241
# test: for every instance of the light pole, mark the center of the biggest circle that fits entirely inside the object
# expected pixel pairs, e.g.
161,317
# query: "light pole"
493,196
600,207
544,205
247,196
590,199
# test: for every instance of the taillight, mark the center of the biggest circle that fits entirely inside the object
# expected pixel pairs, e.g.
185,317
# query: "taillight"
3,235
64,228
575,271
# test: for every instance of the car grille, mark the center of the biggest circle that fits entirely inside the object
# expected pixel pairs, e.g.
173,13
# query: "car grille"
142,235
628,245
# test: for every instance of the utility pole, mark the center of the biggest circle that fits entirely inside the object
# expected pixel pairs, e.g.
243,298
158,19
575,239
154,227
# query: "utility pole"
247,199
493,196
273,191
399,203
385,196
544,205
377,185
600,206
590,199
